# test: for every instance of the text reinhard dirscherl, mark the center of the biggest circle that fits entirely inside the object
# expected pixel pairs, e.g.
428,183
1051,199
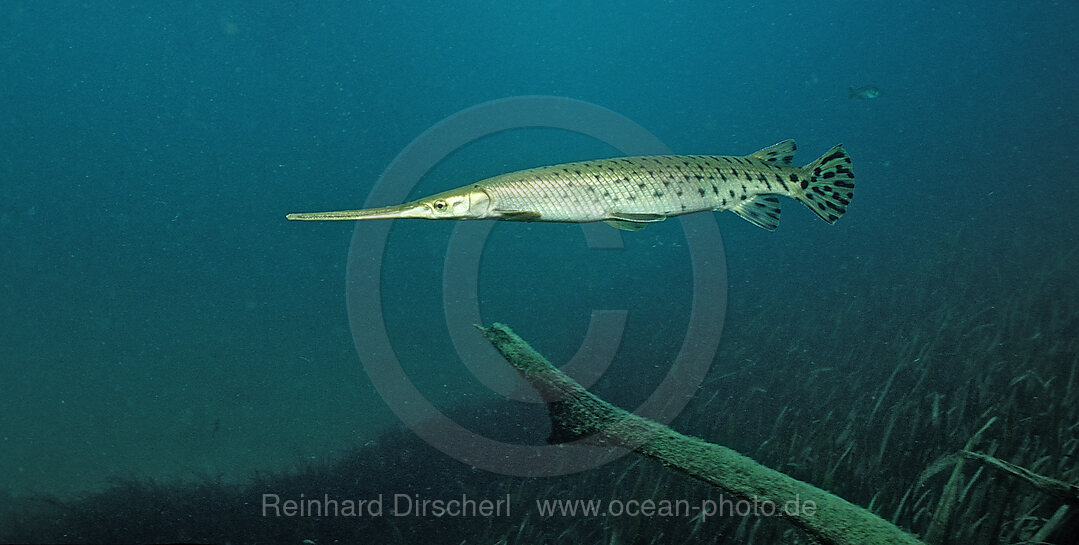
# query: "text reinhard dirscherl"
400,505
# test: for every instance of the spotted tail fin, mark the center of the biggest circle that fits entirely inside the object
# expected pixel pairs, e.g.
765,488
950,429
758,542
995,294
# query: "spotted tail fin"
827,185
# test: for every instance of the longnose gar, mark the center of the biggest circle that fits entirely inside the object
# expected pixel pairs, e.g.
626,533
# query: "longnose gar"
630,192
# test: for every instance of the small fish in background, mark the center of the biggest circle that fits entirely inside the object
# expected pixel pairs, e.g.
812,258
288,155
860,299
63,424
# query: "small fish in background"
869,92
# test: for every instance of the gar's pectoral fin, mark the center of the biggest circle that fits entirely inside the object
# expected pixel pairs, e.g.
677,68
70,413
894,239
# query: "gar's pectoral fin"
518,215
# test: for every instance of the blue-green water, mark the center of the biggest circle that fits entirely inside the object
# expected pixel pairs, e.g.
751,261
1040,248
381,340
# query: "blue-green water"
161,319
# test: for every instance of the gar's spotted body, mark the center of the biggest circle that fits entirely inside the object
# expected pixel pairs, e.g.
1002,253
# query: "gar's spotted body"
629,192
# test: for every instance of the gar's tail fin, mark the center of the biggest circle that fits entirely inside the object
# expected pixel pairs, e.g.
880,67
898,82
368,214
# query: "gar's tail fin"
827,185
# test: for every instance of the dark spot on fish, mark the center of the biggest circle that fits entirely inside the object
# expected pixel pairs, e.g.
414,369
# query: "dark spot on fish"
678,193
723,202
732,193
666,183
715,189
834,156
698,177
805,184
701,190
651,173
683,208
590,189
816,171
788,158
743,197
828,175
641,186
632,197
657,194
606,193
578,172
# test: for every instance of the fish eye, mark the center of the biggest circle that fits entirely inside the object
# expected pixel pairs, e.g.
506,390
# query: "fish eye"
440,205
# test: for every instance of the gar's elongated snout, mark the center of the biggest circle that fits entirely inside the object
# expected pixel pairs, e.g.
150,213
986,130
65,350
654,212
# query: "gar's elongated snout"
463,203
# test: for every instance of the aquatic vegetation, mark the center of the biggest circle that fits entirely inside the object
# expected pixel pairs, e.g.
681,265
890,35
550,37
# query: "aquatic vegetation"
872,396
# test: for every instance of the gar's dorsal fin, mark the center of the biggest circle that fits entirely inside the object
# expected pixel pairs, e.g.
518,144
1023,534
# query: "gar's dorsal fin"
781,154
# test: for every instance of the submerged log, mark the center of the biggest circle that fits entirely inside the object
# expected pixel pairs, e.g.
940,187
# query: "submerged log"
1066,492
578,415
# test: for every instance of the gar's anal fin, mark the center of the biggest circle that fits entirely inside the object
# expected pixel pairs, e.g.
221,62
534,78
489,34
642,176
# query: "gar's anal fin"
761,211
